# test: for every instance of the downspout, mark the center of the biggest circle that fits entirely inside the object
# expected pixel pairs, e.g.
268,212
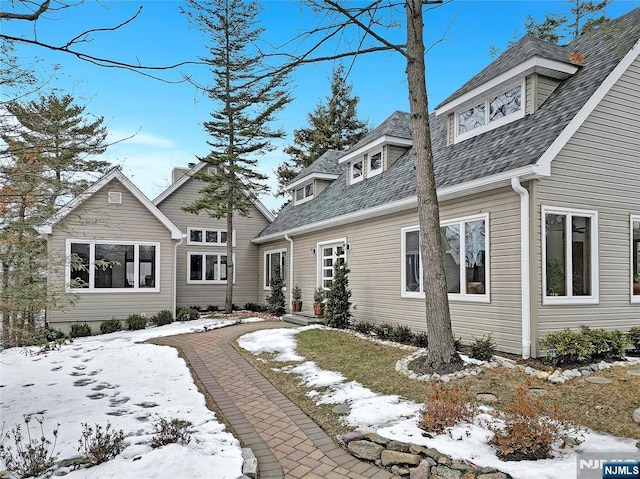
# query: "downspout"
286,236
525,254
175,274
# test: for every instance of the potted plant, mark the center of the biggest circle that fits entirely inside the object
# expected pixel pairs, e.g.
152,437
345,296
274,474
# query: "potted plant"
296,296
318,302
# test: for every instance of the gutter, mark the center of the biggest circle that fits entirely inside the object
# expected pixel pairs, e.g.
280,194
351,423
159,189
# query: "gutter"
525,255
175,274
286,236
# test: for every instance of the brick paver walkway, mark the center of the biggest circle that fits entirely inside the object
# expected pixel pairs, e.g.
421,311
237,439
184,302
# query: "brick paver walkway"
285,441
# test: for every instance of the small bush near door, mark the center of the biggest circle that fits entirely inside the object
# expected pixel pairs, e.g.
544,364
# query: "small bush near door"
80,330
188,314
135,322
163,317
110,326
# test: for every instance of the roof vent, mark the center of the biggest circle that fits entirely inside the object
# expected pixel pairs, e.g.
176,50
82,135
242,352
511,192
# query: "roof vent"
115,197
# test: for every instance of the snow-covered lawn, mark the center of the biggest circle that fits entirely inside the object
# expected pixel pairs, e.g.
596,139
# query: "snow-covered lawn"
114,378
397,418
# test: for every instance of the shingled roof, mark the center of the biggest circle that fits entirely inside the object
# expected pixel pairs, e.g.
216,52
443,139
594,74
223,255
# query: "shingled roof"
327,164
509,147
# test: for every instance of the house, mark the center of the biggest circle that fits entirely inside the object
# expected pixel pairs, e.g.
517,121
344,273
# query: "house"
537,162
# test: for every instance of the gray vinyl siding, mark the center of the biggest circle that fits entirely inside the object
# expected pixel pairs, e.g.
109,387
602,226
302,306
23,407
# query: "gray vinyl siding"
538,89
246,254
319,186
599,169
393,153
530,87
96,219
374,258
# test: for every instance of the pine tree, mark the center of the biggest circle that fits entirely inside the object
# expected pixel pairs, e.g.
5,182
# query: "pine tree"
586,15
245,107
332,125
45,160
276,301
337,310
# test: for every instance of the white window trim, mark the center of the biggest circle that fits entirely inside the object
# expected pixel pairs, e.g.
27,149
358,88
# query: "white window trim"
463,296
264,265
92,259
353,180
204,235
371,173
319,265
634,298
490,125
594,298
305,198
207,281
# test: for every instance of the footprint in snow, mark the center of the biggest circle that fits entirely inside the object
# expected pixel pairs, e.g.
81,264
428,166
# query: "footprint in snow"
75,356
52,384
76,373
57,368
147,404
93,373
80,368
118,412
27,385
96,396
84,382
86,360
101,386
115,402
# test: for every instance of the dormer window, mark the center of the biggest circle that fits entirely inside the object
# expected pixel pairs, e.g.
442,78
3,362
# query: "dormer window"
375,164
491,113
357,171
304,193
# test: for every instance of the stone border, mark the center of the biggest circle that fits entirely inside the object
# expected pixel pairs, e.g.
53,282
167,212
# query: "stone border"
558,376
411,460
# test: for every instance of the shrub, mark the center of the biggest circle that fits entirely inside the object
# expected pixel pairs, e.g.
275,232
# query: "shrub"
421,339
275,301
566,346
383,330
634,337
401,334
446,407
296,293
42,337
110,326
212,308
337,309
169,432
97,445
457,344
162,317
188,314
135,322
80,330
32,457
527,434
319,295
254,307
618,342
363,327
483,348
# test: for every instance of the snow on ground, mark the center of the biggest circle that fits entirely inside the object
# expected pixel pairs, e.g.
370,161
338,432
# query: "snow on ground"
114,378
397,418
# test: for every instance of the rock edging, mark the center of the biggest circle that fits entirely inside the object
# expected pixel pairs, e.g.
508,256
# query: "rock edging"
411,460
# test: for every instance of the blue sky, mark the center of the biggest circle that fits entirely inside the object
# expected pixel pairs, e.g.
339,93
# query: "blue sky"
168,117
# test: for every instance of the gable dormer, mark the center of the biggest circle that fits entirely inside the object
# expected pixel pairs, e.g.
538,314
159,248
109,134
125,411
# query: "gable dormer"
311,181
379,149
514,85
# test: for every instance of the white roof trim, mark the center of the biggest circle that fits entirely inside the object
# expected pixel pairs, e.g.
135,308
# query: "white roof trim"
311,176
547,157
521,70
47,227
383,140
184,178
450,192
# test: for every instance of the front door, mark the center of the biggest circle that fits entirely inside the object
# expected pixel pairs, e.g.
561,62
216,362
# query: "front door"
329,255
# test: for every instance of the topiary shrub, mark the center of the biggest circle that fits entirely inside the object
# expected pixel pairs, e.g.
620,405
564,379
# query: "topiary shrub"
135,322
337,310
188,314
275,301
483,348
110,326
421,339
80,330
402,334
634,337
162,317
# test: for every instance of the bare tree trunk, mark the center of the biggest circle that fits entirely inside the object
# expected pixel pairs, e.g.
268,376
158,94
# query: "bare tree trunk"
6,310
228,304
441,351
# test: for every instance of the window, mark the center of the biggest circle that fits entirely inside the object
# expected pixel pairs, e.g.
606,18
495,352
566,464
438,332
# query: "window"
357,173
570,272
329,254
207,268
305,193
635,259
204,236
491,113
375,164
271,260
116,266
465,249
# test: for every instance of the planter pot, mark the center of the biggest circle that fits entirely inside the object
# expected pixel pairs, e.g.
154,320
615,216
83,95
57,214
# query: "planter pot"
296,306
318,309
